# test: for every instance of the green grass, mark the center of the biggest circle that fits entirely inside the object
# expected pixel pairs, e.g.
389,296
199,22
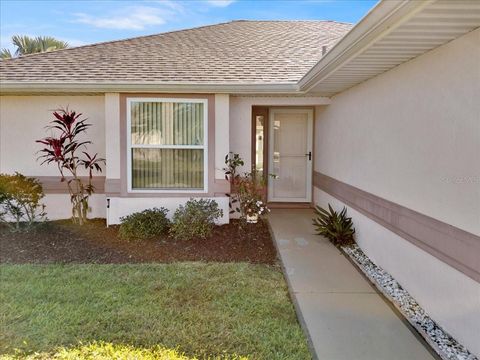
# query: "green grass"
161,311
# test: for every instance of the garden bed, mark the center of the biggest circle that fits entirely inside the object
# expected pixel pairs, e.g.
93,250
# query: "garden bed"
63,242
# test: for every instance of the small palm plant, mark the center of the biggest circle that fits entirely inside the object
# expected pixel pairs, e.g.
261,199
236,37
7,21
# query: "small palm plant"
336,227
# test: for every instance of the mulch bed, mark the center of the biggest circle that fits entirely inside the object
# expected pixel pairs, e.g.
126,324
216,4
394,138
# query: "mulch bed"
64,242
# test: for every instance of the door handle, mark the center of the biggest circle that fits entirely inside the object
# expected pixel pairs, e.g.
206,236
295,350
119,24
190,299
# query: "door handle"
309,155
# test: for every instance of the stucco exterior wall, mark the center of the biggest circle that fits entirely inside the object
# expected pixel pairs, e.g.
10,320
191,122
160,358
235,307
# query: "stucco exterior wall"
23,120
222,137
241,128
112,135
412,136
449,297
241,118
121,206
58,206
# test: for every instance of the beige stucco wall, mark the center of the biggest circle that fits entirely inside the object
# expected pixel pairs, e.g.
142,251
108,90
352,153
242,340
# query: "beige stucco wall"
241,118
222,137
112,135
412,136
450,298
122,206
23,120
240,128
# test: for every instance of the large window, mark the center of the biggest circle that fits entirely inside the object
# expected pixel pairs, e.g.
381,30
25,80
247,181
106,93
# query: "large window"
167,144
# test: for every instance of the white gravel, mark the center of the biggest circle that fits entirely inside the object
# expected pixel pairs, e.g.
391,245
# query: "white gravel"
443,344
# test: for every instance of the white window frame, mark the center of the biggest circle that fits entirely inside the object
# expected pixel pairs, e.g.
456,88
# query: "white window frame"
204,147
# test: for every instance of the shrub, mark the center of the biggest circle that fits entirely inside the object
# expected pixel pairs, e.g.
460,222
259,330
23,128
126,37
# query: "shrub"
144,225
20,197
336,227
249,190
195,219
65,149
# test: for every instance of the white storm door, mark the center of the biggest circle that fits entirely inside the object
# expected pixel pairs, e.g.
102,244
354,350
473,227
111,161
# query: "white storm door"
290,155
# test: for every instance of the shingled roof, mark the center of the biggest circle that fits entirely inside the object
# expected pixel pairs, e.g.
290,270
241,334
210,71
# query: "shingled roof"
237,52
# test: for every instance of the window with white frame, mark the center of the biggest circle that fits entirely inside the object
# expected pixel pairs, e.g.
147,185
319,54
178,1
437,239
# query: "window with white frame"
167,144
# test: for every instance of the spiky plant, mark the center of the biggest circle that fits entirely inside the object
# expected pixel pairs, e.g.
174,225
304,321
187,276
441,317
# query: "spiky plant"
336,227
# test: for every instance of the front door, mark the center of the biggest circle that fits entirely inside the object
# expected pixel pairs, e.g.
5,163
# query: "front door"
290,155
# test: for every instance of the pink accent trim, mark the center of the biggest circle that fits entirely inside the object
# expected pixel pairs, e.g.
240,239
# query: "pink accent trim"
454,246
214,186
54,185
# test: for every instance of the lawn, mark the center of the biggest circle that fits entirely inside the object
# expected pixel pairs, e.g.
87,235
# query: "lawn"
148,311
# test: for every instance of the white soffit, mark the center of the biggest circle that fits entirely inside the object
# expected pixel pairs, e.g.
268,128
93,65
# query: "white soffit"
408,29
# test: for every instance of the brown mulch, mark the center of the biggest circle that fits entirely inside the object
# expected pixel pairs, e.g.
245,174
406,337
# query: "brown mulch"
64,242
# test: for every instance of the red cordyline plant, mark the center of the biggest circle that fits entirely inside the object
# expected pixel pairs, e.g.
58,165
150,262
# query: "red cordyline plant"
70,154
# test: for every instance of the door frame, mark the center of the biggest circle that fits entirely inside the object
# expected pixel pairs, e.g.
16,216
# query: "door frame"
310,147
259,111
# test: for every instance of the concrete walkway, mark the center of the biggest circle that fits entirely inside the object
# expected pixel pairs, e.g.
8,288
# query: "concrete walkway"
344,316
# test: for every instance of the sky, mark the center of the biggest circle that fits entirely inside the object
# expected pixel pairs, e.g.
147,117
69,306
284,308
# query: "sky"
81,22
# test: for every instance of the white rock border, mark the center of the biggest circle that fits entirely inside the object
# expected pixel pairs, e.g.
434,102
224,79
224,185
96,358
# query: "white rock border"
442,343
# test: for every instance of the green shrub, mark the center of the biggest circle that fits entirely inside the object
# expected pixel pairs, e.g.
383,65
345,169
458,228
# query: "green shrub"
144,225
20,197
336,227
195,219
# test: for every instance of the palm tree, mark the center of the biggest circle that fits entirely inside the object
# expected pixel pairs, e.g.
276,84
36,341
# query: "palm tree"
29,45
5,54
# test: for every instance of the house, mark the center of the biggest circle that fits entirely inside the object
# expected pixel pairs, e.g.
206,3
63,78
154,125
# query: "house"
382,117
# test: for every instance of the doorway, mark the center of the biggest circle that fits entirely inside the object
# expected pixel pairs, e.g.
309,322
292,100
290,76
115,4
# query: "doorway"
282,145
290,155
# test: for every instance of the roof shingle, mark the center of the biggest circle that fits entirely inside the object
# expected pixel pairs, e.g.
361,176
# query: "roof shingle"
238,52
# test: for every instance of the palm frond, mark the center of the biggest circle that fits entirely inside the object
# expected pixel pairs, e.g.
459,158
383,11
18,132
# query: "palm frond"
31,45
5,54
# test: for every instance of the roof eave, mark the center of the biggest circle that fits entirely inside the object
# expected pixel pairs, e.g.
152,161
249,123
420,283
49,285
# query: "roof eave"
15,87
383,18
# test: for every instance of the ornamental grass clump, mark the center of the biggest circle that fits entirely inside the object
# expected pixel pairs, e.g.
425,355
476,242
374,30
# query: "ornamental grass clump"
64,149
195,220
20,202
146,224
336,227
